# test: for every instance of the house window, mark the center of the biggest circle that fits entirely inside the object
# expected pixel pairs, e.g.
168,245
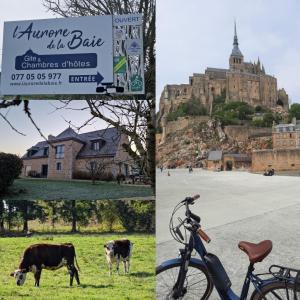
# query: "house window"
59,151
58,166
46,151
97,145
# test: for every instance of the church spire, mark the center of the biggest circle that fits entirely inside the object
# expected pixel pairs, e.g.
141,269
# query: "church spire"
235,39
236,51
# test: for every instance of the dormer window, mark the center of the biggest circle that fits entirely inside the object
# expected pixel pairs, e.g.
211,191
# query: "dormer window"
46,151
31,152
97,145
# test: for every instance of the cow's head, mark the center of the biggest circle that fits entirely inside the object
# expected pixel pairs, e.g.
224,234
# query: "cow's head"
109,248
20,276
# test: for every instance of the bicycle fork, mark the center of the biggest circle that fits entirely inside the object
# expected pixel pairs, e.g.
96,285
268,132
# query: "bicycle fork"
178,289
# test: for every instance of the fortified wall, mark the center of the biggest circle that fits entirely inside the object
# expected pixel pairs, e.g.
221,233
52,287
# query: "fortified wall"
280,160
243,133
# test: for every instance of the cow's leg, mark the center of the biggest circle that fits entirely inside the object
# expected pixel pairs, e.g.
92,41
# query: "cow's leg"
76,275
37,276
110,268
128,265
125,266
71,272
118,265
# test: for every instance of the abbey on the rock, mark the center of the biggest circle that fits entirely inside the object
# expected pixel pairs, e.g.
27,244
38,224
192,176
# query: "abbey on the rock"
243,81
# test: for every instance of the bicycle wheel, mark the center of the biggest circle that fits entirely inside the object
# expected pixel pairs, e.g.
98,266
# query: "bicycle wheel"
277,290
198,284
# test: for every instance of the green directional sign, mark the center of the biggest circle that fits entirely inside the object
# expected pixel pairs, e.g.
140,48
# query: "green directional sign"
120,64
136,83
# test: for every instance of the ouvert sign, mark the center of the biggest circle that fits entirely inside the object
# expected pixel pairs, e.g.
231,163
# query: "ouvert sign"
72,55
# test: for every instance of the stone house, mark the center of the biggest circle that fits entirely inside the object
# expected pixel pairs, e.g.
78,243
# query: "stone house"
214,160
64,155
219,161
236,161
285,155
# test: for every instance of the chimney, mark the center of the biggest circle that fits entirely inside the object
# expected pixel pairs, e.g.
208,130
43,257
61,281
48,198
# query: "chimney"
51,137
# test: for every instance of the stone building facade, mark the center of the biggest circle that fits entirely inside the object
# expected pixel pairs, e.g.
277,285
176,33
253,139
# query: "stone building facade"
285,155
242,81
67,153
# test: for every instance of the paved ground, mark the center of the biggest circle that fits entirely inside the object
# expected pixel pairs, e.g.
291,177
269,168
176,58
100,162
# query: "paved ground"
234,206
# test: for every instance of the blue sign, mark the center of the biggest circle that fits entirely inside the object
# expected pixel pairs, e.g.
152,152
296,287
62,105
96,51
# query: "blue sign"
33,61
86,78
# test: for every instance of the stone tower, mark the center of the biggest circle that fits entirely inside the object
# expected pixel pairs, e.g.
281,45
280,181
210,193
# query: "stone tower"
236,60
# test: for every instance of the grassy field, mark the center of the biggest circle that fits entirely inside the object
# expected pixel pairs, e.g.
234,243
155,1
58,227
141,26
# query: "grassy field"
43,189
95,281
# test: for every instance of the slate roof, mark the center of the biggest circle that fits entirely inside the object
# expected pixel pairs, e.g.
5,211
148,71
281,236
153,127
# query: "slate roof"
40,153
111,137
216,69
287,127
215,155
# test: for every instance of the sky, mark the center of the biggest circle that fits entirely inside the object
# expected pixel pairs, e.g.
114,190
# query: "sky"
15,10
48,119
192,35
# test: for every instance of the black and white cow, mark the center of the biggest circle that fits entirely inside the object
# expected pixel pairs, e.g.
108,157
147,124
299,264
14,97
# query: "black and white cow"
49,257
116,251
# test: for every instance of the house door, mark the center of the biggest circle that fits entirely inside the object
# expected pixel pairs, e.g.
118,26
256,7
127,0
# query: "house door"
44,170
126,170
27,170
229,165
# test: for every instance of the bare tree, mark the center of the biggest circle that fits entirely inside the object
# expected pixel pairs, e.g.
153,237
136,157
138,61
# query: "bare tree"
96,168
71,8
135,119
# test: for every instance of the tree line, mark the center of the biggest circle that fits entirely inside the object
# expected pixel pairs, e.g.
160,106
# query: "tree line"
133,215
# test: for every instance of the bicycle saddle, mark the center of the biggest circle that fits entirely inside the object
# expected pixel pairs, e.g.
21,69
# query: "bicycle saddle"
256,252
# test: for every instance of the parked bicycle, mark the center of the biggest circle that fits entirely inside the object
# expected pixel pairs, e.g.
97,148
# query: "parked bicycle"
187,277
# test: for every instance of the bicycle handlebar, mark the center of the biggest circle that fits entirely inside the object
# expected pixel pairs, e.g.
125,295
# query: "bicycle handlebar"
190,200
203,235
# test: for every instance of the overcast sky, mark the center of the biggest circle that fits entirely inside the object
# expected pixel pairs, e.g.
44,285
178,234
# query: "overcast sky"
193,35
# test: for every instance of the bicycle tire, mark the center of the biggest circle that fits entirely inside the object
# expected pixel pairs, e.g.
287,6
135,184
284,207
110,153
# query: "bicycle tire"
277,290
190,294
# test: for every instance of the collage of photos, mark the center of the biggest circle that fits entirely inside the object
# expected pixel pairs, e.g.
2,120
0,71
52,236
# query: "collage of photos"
149,150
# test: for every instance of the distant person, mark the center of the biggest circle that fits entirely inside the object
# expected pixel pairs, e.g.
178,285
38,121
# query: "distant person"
161,168
190,169
169,173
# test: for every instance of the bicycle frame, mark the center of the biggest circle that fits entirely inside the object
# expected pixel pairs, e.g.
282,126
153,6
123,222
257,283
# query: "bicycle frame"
196,243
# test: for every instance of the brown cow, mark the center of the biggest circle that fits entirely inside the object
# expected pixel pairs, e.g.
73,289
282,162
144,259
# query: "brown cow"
49,257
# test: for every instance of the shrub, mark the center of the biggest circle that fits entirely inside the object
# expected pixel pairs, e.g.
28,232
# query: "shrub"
10,169
87,176
137,216
190,108
295,110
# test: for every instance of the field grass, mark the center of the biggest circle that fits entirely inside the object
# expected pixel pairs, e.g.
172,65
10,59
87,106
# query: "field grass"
43,189
95,281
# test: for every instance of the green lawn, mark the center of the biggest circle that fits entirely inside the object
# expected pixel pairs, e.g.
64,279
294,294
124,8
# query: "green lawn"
95,281
43,189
